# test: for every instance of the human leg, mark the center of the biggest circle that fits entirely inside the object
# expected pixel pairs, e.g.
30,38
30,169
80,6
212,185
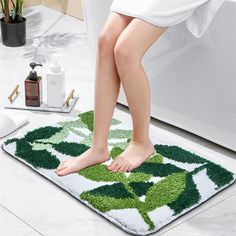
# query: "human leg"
129,50
107,85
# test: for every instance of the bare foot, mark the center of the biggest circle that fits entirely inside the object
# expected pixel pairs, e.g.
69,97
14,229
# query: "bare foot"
90,157
133,156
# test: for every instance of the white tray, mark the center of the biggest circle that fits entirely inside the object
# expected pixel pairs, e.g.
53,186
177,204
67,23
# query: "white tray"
19,103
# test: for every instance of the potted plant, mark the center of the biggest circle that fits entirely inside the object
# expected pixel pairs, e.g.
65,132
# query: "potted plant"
13,24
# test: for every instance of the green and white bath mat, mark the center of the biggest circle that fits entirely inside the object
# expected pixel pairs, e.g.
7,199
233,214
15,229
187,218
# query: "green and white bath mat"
164,187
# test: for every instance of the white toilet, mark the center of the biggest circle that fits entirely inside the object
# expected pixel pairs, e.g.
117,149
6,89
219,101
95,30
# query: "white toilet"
9,122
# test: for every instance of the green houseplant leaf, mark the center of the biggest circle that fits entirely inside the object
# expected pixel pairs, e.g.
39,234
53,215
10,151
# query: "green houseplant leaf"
13,15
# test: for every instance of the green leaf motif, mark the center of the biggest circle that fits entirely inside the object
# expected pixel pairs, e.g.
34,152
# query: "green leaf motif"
56,138
119,134
105,204
40,158
100,173
12,140
141,188
138,176
40,146
41,133
114,121
165,191
179,154
126,190
116,190
116,151
122,145
88,119
158,158
71,149
189,197
88,140
219,175
77,132
37,154
157,169
73,124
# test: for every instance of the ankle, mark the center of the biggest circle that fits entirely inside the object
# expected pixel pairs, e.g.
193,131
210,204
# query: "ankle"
100,149
143,142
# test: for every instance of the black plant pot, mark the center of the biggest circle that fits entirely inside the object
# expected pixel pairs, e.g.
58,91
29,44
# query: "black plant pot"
13,34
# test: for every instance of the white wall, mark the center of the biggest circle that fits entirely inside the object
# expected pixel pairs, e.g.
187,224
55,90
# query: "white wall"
70,7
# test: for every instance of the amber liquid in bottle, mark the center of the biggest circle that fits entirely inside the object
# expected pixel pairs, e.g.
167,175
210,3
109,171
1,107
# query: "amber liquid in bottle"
33,92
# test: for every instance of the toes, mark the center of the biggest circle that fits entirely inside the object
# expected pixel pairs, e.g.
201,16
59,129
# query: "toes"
61,166
126,168
112,165
130,168
121,169
61,172
61,169
64,171
117,167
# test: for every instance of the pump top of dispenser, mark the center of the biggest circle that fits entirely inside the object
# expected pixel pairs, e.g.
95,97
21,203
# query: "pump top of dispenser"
55,67
33,74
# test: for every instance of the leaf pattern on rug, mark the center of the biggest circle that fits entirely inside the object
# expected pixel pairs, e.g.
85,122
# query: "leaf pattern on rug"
152,185
158,194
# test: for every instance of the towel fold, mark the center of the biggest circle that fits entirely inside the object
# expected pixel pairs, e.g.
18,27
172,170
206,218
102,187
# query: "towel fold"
196,14
199,21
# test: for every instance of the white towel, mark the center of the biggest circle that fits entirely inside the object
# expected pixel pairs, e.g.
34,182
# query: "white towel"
196,14
199,21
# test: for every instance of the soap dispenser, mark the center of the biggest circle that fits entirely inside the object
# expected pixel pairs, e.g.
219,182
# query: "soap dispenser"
55,85
33,87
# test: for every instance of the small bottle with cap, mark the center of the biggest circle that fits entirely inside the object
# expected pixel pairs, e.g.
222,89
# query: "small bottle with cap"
55,85
33,87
